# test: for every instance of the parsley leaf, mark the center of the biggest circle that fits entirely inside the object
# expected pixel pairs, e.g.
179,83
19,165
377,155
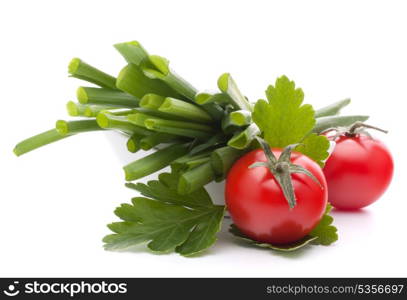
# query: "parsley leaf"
323,234
286,248
186,224
315,147
284,120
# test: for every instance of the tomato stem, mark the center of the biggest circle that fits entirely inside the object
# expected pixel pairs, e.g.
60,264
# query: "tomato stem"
353,130
282,168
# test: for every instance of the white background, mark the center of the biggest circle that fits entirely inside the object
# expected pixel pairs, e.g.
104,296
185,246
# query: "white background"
55,202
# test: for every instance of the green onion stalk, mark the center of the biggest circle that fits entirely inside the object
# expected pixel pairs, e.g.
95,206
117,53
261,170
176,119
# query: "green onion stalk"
198,134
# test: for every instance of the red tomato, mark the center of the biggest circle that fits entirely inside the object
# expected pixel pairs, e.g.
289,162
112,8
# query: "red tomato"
257,204
358,171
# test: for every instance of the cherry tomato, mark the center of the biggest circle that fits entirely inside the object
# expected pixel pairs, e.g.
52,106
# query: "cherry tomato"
257,204
358,172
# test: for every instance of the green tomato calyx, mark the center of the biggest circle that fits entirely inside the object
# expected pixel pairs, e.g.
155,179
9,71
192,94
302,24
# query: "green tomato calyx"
282,168
353,130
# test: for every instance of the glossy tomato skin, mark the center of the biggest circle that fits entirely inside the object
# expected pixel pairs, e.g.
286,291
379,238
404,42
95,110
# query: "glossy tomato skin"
258,207
358,172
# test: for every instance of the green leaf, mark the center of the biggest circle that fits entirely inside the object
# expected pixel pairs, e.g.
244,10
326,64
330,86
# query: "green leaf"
323,234
165,189
204,233
285,120
315,147
186,224
286,248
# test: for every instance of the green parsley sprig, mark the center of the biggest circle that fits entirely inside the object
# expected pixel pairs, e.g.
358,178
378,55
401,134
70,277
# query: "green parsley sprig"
168,221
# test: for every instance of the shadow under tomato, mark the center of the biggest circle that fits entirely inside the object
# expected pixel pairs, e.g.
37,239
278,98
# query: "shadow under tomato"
360,212
353,224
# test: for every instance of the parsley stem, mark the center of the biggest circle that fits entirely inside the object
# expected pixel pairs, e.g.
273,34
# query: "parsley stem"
152,140
329,122
154,162
110,121
104,96
184,110
223,158
196,178
70,127
81,70
132,80
37,141
243,139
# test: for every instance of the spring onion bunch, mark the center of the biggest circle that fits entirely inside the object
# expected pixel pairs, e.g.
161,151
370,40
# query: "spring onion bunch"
198,134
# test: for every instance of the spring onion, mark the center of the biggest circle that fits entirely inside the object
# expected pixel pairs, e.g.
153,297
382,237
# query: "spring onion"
243,139
151,101
133,143
154,162
70,127
152,140
184,110
132,80
38,141
223,158
227,85
110,121
93,95
81,70
76,109
196,178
